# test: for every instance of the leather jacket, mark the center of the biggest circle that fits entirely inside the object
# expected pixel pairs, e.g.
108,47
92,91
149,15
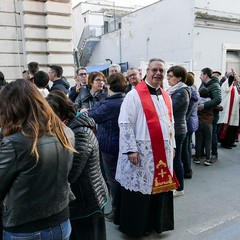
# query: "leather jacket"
30,189
86,100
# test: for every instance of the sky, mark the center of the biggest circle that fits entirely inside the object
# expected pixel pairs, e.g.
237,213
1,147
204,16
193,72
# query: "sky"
124,2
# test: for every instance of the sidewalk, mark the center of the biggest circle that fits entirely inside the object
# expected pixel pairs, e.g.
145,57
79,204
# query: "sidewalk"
210,208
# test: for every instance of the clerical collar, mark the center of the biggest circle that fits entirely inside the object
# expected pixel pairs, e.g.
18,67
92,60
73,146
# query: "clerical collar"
153,90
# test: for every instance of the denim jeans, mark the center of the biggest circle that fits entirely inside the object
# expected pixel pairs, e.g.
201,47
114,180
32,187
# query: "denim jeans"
187,153
60,232
110,166
214,134
203,137
177,161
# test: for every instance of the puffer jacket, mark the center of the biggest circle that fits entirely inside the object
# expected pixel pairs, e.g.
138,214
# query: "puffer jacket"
106,115
214,89
85,177
180,102
86,100
33,190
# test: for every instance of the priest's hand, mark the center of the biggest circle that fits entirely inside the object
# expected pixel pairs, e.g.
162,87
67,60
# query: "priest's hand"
174,152
134,158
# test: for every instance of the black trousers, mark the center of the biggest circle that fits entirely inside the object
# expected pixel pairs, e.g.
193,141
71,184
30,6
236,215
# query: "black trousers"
89,228
1,227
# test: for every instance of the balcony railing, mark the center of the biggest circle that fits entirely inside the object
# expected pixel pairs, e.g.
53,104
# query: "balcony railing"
89,32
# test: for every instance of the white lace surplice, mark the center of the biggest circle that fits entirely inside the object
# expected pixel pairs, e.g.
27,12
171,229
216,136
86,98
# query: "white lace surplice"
134,137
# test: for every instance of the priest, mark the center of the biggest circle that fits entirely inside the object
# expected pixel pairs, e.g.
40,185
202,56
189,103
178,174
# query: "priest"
145,163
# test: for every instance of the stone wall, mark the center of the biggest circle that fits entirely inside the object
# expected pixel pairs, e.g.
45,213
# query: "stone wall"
39,31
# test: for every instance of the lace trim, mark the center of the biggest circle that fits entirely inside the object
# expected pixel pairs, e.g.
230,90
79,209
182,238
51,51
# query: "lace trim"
137,178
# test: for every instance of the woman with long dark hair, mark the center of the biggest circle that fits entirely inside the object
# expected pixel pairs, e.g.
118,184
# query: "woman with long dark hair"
87,183
35,158
2,80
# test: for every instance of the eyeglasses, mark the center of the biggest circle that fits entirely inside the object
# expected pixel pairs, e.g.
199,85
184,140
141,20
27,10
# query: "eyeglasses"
155,70
132,75
98,80
170,76
82,74
113,71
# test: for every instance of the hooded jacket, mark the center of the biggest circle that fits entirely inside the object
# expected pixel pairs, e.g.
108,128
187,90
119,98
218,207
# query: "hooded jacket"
214,89
61,84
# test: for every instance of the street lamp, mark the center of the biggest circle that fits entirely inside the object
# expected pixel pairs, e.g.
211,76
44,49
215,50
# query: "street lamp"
108,60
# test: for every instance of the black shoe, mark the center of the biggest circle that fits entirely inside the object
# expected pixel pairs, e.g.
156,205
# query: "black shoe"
147,233
226,146
214,158
233,145
188,175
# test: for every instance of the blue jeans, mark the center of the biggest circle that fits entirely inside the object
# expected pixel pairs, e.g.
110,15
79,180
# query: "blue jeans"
60,232
177,161
110,166
203,137
214,134
187,153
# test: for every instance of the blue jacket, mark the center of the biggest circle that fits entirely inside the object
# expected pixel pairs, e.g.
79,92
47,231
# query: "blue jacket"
192,113
106,115
61,84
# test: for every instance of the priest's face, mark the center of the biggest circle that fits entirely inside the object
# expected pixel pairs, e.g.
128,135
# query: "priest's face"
155,73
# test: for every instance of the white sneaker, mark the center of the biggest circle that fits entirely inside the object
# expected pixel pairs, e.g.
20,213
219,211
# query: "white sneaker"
178,193
207,162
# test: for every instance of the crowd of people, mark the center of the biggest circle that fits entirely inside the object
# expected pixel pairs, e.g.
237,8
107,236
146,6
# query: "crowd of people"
65,151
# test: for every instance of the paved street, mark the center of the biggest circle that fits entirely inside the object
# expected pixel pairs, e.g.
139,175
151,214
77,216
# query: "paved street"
210,208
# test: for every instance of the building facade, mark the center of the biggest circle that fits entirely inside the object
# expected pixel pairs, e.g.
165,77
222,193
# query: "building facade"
91,20
192,33
39,31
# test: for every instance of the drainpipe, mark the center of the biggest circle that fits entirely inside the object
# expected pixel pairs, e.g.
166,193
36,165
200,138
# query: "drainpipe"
23,35
17,39
120,45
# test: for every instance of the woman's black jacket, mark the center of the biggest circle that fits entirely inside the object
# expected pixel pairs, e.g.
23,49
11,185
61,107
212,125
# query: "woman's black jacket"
85,177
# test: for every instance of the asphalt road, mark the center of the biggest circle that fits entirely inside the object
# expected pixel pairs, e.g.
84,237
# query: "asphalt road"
210,208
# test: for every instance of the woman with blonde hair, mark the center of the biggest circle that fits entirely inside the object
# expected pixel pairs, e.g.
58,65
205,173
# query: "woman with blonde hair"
35,158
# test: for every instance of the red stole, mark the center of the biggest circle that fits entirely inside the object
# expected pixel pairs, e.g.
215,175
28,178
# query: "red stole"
224,127
163,181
